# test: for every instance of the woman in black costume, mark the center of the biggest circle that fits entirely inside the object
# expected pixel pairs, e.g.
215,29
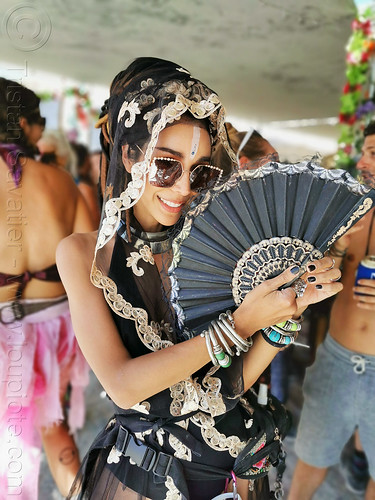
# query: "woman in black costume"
178,424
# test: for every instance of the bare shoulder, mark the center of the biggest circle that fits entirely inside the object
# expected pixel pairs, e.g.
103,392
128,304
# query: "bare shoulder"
74,254
51,174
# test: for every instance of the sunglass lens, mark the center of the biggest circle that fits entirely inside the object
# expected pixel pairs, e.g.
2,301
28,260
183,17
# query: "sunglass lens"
166,173
204,177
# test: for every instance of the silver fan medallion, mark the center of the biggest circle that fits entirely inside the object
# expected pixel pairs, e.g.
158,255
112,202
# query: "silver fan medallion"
267,259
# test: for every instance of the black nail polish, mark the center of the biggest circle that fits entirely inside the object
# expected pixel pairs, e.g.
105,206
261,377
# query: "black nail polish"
311,267
318,287
311,279
295,269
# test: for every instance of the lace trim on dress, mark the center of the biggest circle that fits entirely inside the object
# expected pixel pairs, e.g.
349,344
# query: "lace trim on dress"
187,395
215,439
181,451
147,333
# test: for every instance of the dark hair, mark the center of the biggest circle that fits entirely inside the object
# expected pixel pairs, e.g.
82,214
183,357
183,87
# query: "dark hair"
81,151
17,101
370,129
48,158
256,146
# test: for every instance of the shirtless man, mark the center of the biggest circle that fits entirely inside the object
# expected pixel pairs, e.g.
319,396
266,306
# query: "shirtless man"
39,206
339,387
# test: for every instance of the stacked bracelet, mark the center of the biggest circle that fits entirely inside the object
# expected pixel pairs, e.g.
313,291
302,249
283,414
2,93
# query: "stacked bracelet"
226,323
222,329
282,334
277,339
222,359
222,338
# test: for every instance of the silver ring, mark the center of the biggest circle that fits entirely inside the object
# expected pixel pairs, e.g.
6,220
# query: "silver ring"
299,287
332,265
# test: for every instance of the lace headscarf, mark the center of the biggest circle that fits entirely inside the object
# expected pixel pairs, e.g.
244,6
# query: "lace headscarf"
145,98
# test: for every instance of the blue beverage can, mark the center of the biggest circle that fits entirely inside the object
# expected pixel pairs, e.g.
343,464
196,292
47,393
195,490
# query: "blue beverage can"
366,269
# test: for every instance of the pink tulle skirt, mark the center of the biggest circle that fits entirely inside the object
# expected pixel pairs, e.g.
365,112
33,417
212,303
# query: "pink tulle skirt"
39,357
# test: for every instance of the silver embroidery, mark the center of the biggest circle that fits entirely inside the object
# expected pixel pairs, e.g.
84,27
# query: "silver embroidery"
172,493
261,256
114,456
181,451
145,254
361,210
147,83
182,70
187,396
133,109
143,407
214,438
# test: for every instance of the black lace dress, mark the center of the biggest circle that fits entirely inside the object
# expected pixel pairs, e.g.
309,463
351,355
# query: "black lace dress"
182,442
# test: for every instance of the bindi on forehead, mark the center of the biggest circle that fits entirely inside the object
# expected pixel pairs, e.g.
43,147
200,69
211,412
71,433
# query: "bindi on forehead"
195,141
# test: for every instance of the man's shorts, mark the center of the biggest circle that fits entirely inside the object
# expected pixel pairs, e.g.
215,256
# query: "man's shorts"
339,395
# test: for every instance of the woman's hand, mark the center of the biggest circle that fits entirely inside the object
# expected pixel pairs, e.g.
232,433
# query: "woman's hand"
321,278
267,305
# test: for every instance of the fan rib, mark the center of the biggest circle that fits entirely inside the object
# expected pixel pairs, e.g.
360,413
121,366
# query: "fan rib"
337,219
214,230
279,184
190,276
209,252
187,263
224,213
242,219
258,194
322,211
209,256
208,310
306,193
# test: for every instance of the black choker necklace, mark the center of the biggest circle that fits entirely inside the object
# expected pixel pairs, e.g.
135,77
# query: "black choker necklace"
158,242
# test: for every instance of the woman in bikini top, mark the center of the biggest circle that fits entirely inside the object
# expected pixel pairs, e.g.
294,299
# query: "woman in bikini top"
39,206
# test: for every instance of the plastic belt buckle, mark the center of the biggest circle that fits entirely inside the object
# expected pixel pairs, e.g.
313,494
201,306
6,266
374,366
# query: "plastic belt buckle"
17,310
142,455
166,467
122,440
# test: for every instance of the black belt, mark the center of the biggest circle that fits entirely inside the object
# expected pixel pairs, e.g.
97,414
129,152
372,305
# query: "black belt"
145,457
16,310
149,458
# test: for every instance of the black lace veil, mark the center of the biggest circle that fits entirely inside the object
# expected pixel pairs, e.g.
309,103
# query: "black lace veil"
144,99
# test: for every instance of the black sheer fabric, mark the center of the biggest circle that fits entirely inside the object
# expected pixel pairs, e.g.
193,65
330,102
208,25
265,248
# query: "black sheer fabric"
204,475
181,443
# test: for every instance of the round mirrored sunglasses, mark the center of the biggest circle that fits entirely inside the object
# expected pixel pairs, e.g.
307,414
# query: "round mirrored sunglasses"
165,172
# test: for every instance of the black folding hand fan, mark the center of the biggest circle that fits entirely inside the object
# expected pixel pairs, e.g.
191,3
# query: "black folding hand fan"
255,226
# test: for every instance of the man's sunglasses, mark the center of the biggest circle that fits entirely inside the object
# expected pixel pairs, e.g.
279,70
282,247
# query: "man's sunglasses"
165,172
